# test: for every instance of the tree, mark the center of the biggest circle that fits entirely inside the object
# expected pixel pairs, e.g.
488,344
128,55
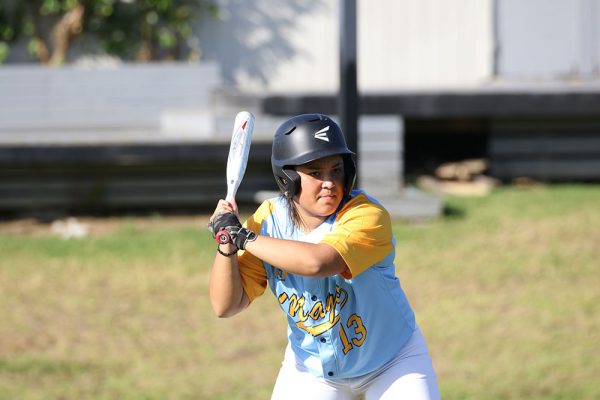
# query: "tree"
141,30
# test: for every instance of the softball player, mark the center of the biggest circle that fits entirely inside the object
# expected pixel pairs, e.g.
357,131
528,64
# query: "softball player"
327,253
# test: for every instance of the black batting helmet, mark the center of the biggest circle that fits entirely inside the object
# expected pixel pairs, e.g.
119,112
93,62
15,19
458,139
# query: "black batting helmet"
306,138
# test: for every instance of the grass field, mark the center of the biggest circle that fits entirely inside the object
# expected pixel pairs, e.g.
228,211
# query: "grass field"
506,289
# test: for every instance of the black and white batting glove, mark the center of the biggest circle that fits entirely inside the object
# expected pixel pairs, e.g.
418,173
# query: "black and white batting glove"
241,237
226,228
221,224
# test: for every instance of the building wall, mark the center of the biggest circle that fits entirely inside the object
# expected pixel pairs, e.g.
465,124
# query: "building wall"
292,46
548,39
424,43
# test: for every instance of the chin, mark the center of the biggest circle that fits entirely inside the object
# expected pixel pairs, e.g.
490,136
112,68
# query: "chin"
328,209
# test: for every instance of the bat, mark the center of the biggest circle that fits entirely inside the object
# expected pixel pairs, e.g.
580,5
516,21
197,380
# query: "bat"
238,152
237,160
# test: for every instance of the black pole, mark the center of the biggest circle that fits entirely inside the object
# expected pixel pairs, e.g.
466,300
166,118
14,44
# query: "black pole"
348,92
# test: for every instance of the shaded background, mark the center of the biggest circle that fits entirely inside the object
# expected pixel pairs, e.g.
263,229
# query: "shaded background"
513,85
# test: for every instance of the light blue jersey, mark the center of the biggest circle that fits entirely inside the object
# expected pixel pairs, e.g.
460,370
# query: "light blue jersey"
341,326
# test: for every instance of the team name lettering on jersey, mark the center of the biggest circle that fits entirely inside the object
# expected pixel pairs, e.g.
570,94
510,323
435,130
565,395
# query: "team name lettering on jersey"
325,316
324,313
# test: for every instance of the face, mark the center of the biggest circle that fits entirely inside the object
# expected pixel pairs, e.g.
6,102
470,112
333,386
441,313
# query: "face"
321,188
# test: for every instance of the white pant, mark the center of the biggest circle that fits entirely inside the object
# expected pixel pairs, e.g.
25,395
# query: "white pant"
409,375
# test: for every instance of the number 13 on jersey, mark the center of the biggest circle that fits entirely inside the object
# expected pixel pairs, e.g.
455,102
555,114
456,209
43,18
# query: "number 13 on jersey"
358,332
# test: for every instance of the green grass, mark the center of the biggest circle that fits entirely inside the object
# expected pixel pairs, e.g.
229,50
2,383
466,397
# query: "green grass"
505,288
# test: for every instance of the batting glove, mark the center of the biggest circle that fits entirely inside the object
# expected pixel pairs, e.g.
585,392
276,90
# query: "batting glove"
241,237
221,224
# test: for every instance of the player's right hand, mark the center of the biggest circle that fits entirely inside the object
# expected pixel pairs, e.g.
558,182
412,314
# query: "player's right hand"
224,206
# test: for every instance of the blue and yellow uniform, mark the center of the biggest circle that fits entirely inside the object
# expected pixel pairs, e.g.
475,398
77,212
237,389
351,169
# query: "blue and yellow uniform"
346,325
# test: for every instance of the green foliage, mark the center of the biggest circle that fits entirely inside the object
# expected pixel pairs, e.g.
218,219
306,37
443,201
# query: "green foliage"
3,52
141,30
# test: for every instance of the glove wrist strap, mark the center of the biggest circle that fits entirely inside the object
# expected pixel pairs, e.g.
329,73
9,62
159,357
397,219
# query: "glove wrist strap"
242,237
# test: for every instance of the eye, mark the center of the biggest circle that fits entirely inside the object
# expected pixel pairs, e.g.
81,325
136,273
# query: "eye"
315,174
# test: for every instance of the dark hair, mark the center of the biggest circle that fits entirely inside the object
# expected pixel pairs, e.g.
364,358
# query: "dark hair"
293,214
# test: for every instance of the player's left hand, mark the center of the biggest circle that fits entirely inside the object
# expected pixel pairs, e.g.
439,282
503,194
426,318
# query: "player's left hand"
227,221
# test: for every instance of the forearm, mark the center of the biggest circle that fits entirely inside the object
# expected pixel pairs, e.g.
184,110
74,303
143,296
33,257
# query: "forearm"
300,258
227,293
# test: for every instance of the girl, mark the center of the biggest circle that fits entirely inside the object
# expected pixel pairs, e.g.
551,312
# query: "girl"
327,253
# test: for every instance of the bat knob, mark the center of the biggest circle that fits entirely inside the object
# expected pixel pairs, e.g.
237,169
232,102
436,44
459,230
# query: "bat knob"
223,237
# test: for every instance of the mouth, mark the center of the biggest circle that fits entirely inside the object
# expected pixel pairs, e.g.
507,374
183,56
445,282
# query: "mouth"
327,197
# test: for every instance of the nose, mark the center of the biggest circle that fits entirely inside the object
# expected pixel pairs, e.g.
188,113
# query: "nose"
328,180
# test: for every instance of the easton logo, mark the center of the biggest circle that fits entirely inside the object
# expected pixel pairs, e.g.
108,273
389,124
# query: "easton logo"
322,134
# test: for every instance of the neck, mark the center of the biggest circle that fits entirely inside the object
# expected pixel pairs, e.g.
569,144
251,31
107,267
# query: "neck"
309,223
302,220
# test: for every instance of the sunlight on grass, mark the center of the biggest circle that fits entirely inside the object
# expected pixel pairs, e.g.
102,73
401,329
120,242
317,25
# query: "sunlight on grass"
505,289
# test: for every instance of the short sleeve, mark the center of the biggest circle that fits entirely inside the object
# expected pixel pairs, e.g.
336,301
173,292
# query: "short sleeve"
362,234
252,270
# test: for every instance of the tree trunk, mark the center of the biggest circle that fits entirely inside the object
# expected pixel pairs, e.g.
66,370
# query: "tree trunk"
69,26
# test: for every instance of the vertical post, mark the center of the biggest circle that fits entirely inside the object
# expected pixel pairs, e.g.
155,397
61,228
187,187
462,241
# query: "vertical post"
348,92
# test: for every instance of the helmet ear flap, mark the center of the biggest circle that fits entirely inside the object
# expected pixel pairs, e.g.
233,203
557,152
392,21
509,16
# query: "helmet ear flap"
291,187
288,181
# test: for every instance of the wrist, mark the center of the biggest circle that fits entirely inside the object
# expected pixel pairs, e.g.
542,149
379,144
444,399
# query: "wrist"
227,249
242,237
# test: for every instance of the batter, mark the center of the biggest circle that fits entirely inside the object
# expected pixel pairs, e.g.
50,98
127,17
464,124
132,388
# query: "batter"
327,254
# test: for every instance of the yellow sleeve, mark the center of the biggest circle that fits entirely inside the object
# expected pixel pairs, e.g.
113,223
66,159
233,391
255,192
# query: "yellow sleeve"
362,234
252,270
